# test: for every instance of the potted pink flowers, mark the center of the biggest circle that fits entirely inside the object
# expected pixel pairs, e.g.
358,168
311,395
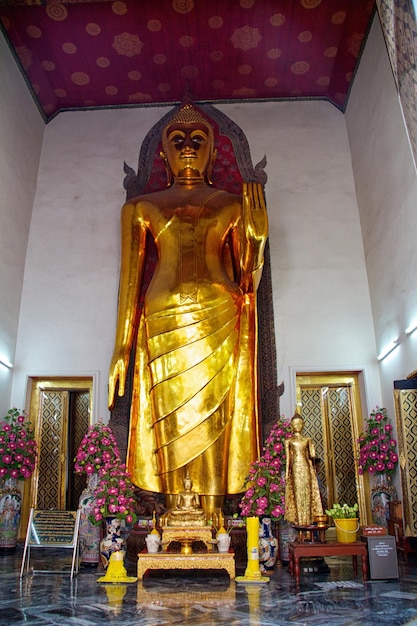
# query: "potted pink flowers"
265,486
265,493
97,449
18,449
378,456
114,496
114,502
18,452
377,447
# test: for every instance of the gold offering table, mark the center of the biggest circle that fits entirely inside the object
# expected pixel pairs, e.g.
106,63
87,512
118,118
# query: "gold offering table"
178,560
179,533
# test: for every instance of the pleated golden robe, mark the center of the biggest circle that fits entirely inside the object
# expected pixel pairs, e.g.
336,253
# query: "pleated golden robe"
195,384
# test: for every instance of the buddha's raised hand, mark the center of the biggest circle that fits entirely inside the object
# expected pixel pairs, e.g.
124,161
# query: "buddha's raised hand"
255,227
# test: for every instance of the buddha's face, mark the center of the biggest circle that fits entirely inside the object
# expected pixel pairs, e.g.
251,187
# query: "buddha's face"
188,149
297,424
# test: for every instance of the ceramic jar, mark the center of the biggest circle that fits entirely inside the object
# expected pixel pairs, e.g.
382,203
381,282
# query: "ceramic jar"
223,542
153,541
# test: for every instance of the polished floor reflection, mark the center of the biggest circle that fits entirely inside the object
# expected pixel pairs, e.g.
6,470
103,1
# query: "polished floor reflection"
202,598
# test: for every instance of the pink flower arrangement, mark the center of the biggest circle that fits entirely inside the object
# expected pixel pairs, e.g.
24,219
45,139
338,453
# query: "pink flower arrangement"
98,448
114,495
18,449
265,485
377,448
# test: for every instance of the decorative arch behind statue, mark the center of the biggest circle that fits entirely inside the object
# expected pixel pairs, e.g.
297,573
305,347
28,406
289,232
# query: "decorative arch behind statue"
233,165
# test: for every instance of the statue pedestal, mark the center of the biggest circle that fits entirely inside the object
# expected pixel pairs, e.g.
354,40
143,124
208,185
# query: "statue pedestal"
176,560
183,533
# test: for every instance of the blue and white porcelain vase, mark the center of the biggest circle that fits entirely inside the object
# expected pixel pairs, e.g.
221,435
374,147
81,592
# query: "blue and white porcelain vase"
112,541
89,534
268,545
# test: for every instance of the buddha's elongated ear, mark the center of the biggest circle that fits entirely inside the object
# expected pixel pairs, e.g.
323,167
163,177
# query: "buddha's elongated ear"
210,167
167,168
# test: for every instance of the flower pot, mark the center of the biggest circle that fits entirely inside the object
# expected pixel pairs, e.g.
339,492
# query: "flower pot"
223,542
10,507
346,529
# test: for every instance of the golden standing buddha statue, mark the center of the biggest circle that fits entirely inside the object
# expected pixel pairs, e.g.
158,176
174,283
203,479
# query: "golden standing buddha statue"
302,494
194,401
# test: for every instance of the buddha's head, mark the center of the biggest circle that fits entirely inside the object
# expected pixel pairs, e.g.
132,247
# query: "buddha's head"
187,482
297,423
188,144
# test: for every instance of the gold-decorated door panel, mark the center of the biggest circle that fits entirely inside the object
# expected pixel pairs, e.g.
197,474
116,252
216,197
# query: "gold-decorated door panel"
52,441
405,401
60,410
331,409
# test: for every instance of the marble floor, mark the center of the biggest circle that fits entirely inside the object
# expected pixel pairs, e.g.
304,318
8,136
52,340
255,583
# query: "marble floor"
201,598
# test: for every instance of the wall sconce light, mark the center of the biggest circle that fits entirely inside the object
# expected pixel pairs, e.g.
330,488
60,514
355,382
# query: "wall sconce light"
6,363
388,349
396,342
410,329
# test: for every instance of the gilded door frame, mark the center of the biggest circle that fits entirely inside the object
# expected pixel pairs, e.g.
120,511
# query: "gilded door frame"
36,385
352,380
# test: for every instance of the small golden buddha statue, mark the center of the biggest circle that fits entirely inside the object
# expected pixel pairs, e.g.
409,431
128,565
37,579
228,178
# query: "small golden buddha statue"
302,494
187,511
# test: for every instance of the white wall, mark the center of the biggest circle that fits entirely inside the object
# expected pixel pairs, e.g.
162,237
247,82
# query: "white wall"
69,298
323,316
386,188
322,309
21,132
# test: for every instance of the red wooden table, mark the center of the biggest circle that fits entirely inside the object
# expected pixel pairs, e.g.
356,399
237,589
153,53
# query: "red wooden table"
298,550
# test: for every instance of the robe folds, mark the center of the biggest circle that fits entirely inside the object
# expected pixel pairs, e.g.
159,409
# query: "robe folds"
195,394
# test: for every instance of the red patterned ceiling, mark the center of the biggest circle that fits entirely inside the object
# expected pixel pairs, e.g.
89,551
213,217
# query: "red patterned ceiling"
105,53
